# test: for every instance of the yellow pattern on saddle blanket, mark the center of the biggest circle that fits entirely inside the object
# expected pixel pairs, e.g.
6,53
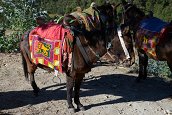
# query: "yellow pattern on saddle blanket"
48,44
89,17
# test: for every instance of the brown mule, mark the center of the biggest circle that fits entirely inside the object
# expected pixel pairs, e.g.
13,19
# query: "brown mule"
93,46
162,50
87,48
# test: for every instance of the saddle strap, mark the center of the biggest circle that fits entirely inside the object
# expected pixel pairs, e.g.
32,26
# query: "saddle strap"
83,52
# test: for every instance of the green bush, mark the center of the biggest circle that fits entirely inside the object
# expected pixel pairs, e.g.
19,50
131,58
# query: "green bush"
10,43
158,68
18,16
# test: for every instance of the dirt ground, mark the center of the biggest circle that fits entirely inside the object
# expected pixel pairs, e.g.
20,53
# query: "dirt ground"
106,90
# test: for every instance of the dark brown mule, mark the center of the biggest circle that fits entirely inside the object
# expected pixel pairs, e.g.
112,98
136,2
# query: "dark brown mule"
87,48
93,46
133,16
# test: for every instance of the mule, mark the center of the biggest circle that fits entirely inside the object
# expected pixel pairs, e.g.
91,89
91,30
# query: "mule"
152,40
86,49
92,46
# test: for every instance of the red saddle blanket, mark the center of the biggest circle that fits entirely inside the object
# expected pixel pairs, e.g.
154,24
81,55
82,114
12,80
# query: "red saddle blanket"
48,43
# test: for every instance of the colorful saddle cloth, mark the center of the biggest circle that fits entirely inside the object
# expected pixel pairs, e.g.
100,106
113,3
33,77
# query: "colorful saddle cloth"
150,31
48,43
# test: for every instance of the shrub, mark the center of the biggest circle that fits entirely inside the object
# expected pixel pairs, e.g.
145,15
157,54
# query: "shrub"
10,43
158,68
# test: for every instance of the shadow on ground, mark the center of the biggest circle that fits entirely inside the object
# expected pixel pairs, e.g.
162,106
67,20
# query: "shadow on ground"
152,89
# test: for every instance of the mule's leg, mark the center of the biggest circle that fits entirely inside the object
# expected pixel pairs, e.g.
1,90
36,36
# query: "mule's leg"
143,62
69,86
33,84
31,70
78,82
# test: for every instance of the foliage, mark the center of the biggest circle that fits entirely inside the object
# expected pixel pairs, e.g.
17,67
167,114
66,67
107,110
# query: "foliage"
18,16
10,43
158,68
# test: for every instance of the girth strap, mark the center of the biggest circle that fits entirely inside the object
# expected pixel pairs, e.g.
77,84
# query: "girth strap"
83,52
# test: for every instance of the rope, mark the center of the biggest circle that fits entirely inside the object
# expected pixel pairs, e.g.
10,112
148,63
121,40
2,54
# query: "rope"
56,74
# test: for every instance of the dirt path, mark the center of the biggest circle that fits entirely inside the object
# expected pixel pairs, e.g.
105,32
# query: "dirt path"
105,91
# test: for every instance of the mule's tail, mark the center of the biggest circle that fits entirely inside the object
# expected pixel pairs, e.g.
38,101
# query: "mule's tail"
23,50
25,68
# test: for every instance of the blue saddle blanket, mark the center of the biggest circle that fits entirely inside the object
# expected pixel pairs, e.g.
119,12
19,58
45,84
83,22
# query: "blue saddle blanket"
153,24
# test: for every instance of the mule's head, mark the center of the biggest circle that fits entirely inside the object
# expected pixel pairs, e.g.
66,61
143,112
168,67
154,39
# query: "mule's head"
132,15
107,14
88,51
121,49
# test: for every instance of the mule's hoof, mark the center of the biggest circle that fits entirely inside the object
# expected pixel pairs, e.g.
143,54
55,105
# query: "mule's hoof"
81,107
71,110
